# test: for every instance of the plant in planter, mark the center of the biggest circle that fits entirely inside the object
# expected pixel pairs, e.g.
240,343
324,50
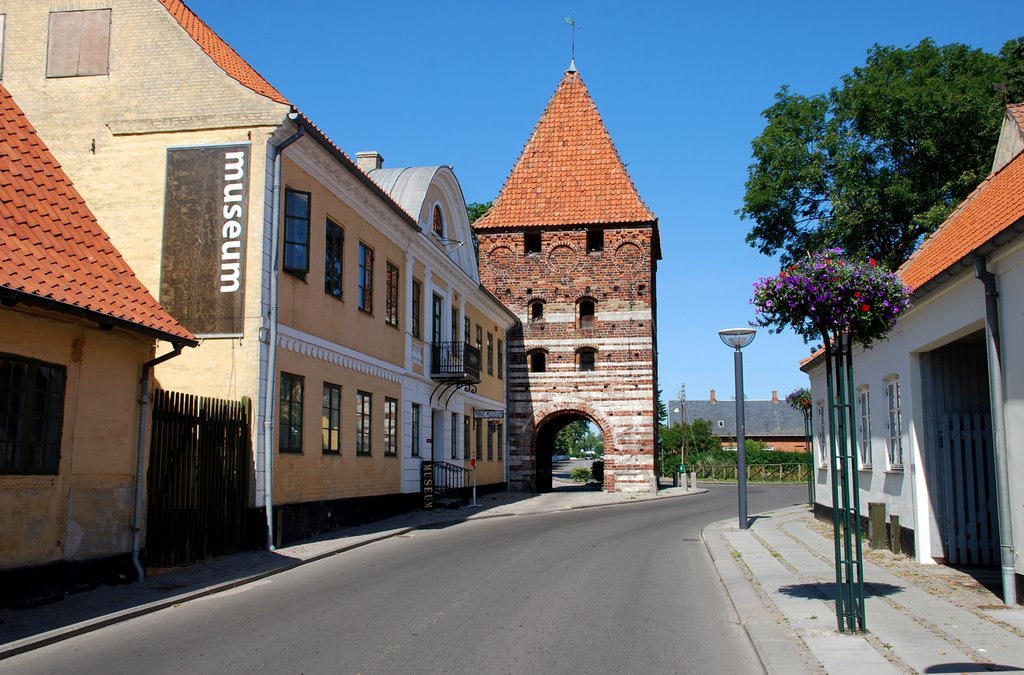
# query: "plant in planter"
839,300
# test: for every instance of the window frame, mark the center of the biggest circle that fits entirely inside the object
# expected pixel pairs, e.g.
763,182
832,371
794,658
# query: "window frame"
29,423
417,309
490,440
500,430
536,312
330,434
586,359
894,424
288,240
864,426
532,243
334,255
490,353
294,412
436,318
822,450
437,221
479,439
391,300
364,423
535,358
454,441
501,360
365,303
589,319
595,240
415,420
390,426
465,437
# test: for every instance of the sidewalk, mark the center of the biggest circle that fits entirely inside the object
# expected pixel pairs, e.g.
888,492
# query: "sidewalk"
24,630
780,577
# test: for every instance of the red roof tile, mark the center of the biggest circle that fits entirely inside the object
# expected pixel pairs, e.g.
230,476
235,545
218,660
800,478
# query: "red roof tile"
569,172
994,206
1016,111
221,53
51,246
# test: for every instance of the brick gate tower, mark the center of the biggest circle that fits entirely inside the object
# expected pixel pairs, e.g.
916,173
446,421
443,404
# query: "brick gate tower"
571,248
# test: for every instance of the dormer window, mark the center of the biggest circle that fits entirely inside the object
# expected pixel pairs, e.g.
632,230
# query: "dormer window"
438,224
586,313
536,310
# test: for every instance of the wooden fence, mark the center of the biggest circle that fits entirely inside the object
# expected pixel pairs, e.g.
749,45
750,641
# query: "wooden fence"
756,473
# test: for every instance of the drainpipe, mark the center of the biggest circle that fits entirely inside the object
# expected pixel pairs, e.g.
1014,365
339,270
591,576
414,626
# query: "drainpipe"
268,400
140,455
995,386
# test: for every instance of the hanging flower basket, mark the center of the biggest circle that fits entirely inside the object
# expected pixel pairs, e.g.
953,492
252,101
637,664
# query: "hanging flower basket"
800,399
827,294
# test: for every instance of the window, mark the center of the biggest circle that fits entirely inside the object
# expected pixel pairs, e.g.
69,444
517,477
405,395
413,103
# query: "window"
437,309
455,324
296,233
291,412
417,303
79,43
480,439
414,429
365,278
595,241
490,354
331,427
364,416
864,427
501,360
334,256
536,310
586,313
480,339
531,243
465,331
894,423
31,415
822,448
454,441
391,302
538,361
438,222
465,437
390,426
587,358
490,441
501,439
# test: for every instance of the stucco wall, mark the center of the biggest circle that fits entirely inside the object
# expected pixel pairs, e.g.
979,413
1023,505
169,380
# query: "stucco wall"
85,511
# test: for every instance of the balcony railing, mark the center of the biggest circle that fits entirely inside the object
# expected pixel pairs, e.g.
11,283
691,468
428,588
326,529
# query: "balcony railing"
455,362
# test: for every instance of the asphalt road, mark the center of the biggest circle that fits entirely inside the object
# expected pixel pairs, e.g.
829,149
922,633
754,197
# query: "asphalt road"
622,589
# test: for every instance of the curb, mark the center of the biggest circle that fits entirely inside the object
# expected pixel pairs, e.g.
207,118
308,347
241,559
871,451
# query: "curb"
59,634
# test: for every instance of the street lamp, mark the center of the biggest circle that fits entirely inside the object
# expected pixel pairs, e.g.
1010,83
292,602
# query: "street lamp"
738,338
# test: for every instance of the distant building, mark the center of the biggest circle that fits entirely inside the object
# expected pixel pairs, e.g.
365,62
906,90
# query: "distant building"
773,422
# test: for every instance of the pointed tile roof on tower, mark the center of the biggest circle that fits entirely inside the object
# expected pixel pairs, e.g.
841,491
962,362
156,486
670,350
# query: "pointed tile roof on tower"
53,253
569,173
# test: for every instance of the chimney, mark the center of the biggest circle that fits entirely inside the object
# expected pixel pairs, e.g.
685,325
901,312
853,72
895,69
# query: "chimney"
775,395
712,395
369,160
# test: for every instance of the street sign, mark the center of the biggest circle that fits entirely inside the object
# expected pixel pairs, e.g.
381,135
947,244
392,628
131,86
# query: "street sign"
488,414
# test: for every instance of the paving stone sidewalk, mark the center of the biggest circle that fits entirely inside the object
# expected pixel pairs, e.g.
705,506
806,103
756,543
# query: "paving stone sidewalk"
921,618
27,629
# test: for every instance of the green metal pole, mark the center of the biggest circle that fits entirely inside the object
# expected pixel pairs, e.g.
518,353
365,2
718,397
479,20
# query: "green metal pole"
830,388
858,587
808,430
843,477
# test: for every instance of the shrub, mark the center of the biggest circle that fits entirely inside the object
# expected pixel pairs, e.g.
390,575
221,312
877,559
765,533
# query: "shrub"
580,474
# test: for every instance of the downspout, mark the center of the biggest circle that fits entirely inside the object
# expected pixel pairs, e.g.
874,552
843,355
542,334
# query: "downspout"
268,400
995,386
140,455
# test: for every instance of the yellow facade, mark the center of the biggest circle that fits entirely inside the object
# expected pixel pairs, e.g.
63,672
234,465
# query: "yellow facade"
84,510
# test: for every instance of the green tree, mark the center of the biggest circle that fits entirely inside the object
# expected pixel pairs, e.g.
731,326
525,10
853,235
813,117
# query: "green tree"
477,209
571,439
879,161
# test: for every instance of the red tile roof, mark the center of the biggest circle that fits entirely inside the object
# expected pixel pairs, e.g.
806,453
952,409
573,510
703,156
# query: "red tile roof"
569,172
995,205
51,247
221,53
1016,110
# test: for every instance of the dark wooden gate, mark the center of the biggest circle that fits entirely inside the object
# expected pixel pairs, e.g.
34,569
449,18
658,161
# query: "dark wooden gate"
198,478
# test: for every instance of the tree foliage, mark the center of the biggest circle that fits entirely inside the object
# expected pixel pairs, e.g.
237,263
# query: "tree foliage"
477,209
879,161
576,438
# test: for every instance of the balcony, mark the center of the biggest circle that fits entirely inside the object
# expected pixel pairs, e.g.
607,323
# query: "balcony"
454,362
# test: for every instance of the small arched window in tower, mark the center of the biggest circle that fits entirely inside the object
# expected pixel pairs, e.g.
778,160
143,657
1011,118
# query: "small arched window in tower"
586,358
595,241
538,361
438,224
586,313
536,310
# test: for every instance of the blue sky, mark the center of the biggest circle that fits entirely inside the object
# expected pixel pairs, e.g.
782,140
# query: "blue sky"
680,86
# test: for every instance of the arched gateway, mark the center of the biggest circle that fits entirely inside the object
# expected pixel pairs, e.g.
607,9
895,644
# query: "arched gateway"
572,250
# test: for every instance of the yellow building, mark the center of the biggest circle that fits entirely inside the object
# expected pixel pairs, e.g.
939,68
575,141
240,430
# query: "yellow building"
273,247
78,329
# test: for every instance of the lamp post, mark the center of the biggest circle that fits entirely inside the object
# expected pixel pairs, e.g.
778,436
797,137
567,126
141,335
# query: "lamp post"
738,338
